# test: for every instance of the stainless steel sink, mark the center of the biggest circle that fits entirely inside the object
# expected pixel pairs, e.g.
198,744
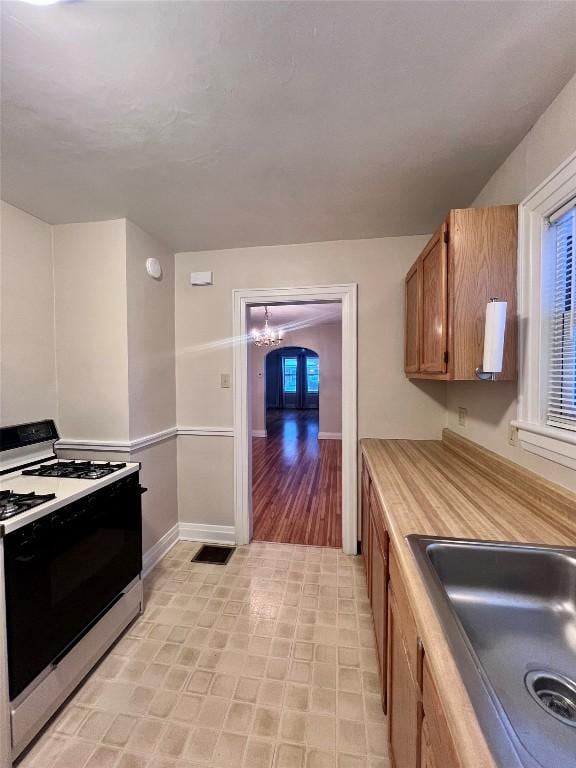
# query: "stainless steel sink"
509,612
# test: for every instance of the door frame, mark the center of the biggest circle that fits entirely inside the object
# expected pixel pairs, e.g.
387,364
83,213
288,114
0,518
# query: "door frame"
242,300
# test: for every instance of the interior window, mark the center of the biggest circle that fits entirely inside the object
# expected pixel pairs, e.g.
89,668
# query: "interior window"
289,367
312,374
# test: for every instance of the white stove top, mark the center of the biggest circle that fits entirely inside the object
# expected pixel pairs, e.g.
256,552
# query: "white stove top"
67,490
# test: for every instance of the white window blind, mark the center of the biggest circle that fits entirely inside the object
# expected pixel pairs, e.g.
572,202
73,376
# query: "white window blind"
562,361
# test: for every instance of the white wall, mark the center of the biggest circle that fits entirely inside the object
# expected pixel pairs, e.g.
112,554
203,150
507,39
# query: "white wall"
388,404
91,330
150,303
492,407
27,347
113,342
326,340
151,378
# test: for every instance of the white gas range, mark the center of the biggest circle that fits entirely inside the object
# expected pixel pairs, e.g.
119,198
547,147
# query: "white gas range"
70,573
26,496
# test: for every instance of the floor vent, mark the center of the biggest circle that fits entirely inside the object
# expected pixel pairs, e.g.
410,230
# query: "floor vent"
214,555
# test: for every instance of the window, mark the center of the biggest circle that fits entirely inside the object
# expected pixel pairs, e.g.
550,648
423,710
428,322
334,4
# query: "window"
289,369
562,358
312,374
546,420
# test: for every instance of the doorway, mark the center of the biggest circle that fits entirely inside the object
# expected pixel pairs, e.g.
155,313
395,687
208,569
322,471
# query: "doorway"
243,300
296,394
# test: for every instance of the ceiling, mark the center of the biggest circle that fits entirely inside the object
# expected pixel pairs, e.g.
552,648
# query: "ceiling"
295,316
226,124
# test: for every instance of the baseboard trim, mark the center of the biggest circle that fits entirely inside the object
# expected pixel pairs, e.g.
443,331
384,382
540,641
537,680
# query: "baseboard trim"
211,534
157,551
329,436
259,433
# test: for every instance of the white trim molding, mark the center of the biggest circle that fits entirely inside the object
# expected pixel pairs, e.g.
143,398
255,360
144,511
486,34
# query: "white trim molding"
242,300
207,431
159,550
329,435
114,446
211,534
130,446
259,433
534,435
545,441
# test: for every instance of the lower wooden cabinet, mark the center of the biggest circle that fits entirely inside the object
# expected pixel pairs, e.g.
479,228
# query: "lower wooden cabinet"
441,747
426,753
365,512
418,732
403,695
379,596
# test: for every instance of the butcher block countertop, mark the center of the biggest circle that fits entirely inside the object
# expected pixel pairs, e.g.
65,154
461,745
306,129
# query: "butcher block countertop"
453,487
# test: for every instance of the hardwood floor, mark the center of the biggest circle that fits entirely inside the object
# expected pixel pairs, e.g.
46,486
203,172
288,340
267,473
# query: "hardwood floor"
296,482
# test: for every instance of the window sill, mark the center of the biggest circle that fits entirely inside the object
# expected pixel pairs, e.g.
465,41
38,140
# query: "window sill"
557,445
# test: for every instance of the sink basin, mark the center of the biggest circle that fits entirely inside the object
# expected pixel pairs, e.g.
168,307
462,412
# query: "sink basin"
509,613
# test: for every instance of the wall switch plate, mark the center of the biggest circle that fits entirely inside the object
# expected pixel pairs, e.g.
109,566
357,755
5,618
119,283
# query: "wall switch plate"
225,380
512,434
462,414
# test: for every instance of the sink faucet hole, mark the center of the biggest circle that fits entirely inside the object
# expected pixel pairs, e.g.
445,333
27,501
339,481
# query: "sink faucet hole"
555,693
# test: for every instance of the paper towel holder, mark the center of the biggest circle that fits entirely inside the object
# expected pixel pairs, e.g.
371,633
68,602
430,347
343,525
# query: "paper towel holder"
480,372
484,375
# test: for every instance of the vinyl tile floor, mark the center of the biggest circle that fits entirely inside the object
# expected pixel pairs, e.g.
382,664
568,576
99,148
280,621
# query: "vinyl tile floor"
267,662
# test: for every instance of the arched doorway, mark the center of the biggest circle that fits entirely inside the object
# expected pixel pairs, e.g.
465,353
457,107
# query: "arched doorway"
292,379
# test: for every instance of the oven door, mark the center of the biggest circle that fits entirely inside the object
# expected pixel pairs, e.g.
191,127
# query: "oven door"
64,571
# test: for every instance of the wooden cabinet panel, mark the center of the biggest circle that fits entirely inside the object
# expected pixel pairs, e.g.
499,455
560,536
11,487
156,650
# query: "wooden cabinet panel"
441,744
379,597
365,511
427,755
412,320
434,282
483,255
403,697
407,621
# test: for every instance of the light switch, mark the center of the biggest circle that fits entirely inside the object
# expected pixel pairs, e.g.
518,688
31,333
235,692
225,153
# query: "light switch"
462,414
225,380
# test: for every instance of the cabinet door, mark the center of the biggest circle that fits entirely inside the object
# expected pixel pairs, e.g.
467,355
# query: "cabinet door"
403,696
366,523
438,734
378,599
434,287
427,756
412,320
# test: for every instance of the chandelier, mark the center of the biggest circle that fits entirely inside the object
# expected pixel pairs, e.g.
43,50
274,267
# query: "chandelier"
267,337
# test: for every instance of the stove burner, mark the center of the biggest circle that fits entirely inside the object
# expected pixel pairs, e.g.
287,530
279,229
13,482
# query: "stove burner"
14,503
82,470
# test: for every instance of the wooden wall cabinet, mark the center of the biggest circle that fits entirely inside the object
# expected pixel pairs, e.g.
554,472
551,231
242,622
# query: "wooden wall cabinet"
470,259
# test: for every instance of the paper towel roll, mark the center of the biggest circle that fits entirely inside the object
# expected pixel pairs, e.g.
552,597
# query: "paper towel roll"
494,336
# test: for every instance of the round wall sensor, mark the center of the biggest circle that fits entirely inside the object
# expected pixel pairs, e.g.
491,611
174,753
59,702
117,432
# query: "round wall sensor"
154,268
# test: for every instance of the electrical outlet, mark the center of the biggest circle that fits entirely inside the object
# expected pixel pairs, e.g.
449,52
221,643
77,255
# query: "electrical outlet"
225,381
512,434
462,414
